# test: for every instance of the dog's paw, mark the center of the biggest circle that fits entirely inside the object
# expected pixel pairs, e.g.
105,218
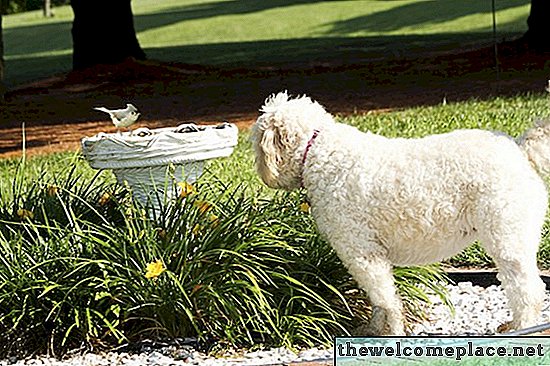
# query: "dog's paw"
380,324
505,327
366,330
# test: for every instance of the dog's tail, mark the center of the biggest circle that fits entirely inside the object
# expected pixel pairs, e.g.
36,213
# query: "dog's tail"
535,142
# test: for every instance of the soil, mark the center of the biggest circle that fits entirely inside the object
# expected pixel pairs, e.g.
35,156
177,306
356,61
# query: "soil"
58,111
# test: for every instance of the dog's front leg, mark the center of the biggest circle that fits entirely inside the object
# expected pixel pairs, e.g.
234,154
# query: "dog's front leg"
373,272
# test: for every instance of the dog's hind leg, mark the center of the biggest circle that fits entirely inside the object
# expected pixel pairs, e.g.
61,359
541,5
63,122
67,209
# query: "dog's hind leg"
516,260
373,272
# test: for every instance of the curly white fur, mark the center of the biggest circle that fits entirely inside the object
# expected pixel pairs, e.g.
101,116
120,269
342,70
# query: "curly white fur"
383,202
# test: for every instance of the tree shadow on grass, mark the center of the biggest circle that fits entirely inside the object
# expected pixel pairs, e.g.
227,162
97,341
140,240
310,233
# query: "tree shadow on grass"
418,14
42,38
303,53
210,10
276,54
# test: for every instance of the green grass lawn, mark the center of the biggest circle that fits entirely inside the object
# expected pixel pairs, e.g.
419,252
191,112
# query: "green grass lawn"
260,32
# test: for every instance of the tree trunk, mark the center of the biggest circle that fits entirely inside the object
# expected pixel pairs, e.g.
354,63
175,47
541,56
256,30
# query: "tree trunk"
2,86
537,34
48,9
103,33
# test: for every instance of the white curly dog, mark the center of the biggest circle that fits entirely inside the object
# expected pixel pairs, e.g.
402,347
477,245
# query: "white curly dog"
394,201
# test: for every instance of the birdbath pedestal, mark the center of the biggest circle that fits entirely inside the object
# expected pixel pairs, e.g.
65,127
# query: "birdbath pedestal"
152,162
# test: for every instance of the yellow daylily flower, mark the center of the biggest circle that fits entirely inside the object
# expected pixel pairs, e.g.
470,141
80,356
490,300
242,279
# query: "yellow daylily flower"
214,220
25,214
304,207
52,190
203,206
186,189
105,197
154,269
196,229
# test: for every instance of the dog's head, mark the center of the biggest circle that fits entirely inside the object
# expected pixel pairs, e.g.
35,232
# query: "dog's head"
280,136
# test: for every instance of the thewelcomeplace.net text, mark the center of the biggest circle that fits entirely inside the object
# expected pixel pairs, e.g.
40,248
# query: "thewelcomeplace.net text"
458,352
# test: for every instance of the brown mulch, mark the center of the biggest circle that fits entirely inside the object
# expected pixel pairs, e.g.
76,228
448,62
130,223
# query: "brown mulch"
57,112
313,363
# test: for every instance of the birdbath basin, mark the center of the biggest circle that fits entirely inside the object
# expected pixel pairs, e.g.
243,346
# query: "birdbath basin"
153,161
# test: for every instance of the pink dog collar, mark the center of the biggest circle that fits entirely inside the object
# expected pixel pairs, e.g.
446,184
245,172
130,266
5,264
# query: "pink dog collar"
309,144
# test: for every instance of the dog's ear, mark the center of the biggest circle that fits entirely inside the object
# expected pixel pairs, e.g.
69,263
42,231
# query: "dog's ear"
267,145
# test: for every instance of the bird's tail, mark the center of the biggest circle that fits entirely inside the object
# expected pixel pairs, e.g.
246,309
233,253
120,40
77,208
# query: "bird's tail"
535,142
102,109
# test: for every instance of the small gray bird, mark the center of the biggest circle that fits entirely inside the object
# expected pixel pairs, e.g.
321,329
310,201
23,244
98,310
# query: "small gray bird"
122,117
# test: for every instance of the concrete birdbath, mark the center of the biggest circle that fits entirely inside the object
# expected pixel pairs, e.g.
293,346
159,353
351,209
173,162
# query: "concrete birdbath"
152,162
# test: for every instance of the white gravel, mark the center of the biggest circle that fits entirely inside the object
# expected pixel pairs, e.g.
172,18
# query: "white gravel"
478,311
276,356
